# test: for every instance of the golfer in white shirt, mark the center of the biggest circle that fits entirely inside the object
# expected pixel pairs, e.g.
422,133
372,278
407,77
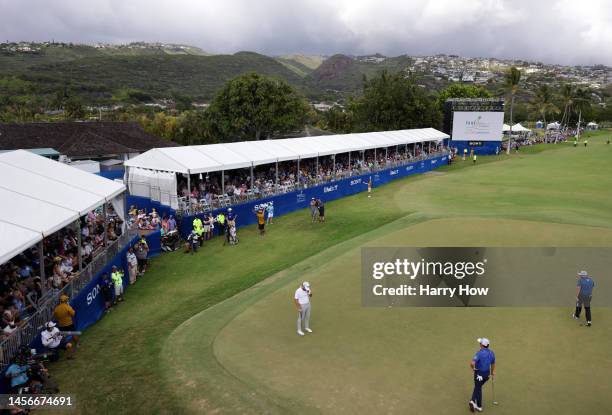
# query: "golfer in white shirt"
302,302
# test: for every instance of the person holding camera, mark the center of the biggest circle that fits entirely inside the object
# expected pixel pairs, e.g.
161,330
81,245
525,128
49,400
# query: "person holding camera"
17,372
53,340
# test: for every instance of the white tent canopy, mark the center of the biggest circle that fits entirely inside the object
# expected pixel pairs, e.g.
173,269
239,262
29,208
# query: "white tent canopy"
506,128
518,128
42,196
218,157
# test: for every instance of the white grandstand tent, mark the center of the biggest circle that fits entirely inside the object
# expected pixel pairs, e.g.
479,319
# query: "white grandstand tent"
151,173
219,157
42,196
506,128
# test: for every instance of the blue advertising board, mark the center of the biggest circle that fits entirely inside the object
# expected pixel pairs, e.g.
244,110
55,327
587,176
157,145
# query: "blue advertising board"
300,199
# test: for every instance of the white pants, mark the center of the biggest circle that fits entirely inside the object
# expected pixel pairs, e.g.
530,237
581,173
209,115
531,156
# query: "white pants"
304,317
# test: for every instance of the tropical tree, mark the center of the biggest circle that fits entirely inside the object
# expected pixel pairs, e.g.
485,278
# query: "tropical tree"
567,98
459,90
393,102
542,102
513,77
253,107
582,101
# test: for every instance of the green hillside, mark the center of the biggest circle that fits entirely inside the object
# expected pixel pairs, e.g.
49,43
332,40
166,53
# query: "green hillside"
97,76
345,74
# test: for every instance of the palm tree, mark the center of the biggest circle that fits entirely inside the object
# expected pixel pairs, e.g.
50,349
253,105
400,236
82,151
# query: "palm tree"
542,102
567,97
513,77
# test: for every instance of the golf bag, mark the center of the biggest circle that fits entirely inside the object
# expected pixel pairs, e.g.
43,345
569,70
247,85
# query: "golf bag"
170,241
233,236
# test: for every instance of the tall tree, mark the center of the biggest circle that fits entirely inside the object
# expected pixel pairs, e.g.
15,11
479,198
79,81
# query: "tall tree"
253,107
513,77
393,102
542,102
458,90
567,97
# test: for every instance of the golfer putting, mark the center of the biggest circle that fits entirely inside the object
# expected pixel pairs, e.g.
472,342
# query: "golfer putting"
584,294
483,366
302,303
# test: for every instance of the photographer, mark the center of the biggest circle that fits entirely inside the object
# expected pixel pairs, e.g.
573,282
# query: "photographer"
53,340
17,372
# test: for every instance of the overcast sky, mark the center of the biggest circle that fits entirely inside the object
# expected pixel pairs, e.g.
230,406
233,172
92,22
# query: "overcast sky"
554,31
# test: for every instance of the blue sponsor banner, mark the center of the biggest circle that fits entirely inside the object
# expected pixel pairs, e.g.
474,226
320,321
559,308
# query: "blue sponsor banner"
300,199
479,147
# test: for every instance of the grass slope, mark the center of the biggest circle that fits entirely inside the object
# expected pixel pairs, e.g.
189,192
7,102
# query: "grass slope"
136,359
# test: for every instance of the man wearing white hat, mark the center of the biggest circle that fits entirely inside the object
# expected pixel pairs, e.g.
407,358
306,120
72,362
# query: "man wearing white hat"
584,293
302,303
483,366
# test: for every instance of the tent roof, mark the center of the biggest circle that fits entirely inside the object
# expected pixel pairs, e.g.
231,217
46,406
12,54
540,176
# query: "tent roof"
44,196
252,153
519,128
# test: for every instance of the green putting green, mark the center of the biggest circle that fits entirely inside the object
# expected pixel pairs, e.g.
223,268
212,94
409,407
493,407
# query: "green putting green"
214,332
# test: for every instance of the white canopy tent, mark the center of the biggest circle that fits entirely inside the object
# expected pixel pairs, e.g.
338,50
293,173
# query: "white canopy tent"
220,157
506,128
249,154
553,126
518,128
42,196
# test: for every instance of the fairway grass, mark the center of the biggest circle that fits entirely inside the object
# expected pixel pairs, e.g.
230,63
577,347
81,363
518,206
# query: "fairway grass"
156,352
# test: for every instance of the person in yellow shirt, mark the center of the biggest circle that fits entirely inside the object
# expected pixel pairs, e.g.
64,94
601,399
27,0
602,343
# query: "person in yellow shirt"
64,314
261,221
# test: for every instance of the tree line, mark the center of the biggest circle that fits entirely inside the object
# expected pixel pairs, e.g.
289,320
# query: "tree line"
254,107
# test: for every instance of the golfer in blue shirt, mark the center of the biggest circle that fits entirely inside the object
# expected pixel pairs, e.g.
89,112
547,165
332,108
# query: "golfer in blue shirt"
584,293
483,365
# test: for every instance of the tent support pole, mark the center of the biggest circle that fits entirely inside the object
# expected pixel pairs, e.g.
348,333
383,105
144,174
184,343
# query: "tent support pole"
350,167
386,155
298,173
41,266
105,224
429,151
222,182
189,191
252,178
317,170
276,178
334,159
375,161
79,247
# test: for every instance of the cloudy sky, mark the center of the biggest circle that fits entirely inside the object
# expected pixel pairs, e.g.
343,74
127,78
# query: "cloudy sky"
555,31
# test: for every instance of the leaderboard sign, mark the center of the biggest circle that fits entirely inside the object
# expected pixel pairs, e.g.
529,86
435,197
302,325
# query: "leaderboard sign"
477,126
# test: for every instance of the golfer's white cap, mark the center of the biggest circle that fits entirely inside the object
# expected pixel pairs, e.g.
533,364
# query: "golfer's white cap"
306,285
484,341
583,274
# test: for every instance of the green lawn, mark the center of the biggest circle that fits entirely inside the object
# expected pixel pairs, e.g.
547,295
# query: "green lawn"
155,353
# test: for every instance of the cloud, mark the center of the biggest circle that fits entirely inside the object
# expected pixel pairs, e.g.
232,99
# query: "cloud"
563,31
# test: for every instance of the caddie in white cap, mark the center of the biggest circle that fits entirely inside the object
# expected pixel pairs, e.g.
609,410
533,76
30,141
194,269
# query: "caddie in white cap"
302,303
483,366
